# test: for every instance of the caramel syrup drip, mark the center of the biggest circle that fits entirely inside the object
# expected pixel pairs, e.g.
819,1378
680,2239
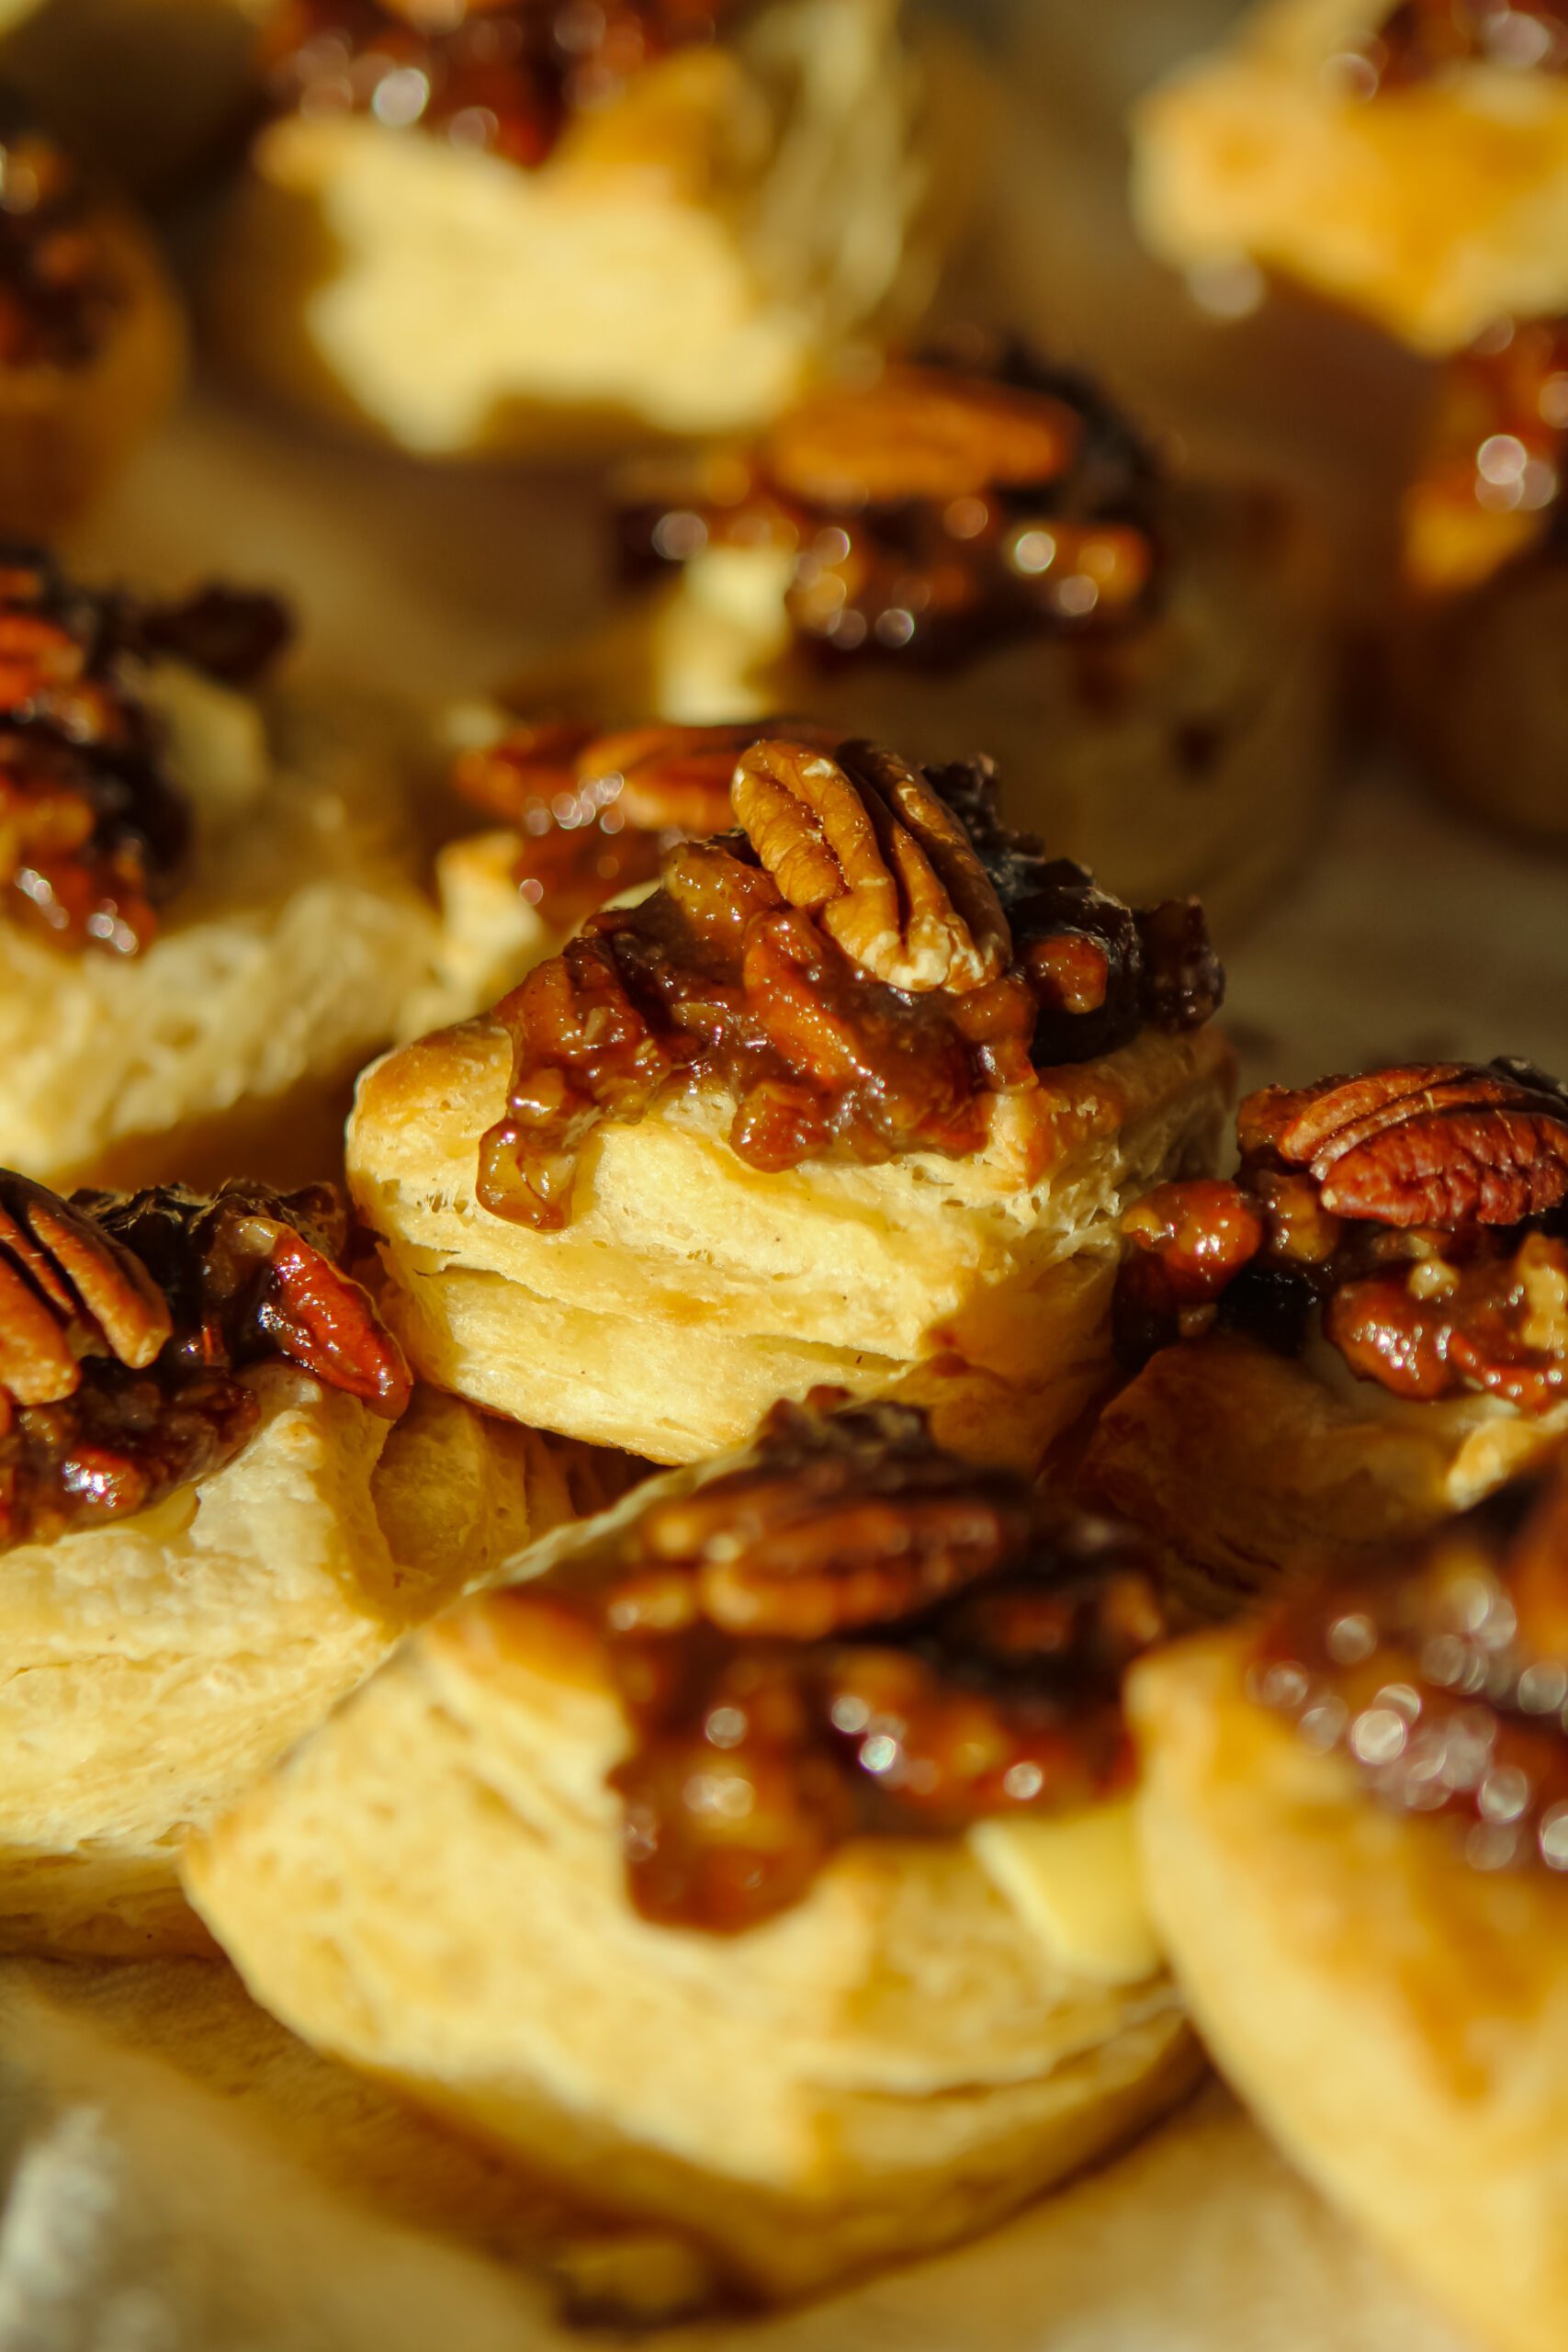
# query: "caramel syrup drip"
852,1634
1444,1679
505,79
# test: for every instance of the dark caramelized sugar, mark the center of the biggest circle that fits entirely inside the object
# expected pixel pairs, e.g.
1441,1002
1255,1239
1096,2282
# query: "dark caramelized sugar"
717,980
505,78
247,1275
95,832
1476,1299
938,512
854,1634
1422,37
1445,1679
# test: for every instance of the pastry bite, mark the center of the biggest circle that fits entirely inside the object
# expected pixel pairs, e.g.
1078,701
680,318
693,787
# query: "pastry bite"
772,1872
92,343
857,1094
212,908
218,1509
976,549
1481,687
500,227
1365,1329
1354,1830
1407,161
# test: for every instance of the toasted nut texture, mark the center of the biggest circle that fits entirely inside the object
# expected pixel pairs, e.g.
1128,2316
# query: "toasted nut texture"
919,433
868,848
66,1283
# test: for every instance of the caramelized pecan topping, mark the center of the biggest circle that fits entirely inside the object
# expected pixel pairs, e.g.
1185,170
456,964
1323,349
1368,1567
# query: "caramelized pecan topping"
1444,1676
93,833
862,969
938,510
851,1633
1419,38
1490,491
59,293
125,1320
502,76
596,812
1422,1208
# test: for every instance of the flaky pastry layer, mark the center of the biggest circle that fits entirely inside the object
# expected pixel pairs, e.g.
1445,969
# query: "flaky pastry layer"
1436,208
893,2063
1397,2018
688,1290
153,1668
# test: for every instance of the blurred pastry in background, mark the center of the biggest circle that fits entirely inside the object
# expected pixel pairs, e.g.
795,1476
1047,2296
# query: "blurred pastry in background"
975,551
213,907
1355,1826
1409,161
1366,1329
1480,683
92,342
488,228
221,1509
857,1094
772,1872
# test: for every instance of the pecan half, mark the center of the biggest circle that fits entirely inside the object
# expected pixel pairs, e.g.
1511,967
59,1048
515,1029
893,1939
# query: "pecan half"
1440,1144
919,433
866,845
67,1288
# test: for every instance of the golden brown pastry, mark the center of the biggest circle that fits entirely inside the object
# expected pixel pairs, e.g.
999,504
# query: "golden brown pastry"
1366,1329
770,1872
858,1094
212,907
978,551
1408,161
524,226
1354,1829
92,343
218,1510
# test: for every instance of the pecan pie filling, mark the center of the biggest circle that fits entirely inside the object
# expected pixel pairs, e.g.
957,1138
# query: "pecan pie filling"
596,812
1421,39
1492,488
863,969
59,296
94,834
938,511
1419,1213
1445,1677
852,1634
125,1322
505,77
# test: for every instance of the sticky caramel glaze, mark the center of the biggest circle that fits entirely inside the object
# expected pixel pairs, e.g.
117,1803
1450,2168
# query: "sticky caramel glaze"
1419,38
852,1634
1492,488
717,980
1431,1250
594,812
502,76
940,510
215,1284
1445,1678
94,834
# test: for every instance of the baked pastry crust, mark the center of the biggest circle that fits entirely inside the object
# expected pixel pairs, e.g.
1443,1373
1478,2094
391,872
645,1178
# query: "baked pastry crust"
893,2062
1435,208
689,1290
155,1667
679,264
1393,2014
1248,1466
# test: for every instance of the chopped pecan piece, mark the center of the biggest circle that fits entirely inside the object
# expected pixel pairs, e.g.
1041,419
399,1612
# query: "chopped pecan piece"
124,1323
850,1632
